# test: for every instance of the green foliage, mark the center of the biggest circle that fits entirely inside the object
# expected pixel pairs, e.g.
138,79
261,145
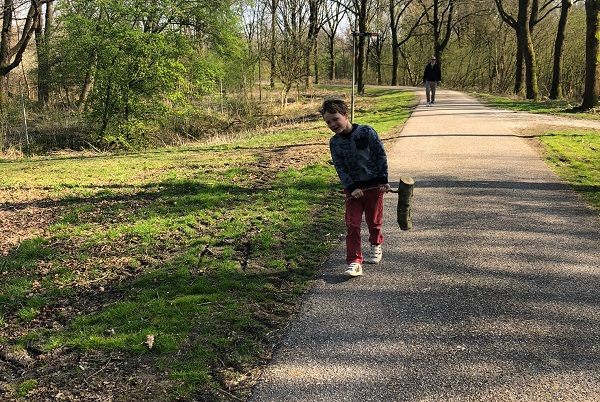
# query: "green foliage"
131,134
130,64
205,73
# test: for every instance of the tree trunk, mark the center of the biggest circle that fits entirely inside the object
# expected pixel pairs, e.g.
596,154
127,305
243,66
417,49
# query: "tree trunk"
361,63
525,47
395,65
42,40
519,88
86,90
522,30
379,52
10,57
313,30
362,45
332,57
395,53
556,88
274,6
531,69
592,54
316,63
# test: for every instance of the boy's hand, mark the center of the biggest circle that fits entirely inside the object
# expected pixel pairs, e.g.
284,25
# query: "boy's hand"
357,193
384,188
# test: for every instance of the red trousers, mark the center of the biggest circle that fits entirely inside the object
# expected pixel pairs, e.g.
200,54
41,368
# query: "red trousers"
371,205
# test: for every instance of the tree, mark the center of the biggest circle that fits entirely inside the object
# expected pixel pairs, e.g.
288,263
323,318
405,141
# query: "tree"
295,45
314,26
364,11
521,26
253,15
397,10
12,47
556,88
592,55
334,14
376,47
440,16
528,16
137,58
43,33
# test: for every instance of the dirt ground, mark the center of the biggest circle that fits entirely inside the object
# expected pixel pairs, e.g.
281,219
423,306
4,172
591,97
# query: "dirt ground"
111,377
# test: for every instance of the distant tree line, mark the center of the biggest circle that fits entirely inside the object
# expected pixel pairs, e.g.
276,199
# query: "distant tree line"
132,69
533,48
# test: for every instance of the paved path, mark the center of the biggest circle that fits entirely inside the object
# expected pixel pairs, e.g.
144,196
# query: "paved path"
493,296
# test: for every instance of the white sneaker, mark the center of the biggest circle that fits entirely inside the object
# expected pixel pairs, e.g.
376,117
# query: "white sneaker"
353,269
375,254
428,104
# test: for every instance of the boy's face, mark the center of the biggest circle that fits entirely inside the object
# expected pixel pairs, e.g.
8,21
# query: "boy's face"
337,122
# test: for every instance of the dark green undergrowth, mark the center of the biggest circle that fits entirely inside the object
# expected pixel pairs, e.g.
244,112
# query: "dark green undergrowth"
192,258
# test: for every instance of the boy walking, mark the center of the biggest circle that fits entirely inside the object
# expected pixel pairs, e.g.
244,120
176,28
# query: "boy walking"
361,164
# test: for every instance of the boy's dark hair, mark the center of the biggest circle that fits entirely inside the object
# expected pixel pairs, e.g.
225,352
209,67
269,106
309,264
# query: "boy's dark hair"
334,105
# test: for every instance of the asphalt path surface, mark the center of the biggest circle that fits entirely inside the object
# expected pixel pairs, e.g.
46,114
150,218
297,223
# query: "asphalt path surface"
494,295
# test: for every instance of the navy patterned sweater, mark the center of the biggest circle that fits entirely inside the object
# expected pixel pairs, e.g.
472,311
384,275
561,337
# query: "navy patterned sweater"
359,158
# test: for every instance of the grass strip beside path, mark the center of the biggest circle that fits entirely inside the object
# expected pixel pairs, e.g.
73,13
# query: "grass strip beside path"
575,157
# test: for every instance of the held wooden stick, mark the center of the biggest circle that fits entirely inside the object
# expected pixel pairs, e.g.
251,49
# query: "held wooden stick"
405,199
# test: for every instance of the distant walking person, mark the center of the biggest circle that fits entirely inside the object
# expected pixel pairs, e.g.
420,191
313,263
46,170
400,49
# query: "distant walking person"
431,77
361,164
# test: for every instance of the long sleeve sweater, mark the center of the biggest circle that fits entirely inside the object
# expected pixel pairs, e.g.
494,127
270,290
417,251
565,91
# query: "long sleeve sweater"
359,158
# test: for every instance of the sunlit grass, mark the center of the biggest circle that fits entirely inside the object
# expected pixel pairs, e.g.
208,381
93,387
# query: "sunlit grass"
576,158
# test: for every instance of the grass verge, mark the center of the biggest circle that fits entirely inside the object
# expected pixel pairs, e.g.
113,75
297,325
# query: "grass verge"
165,274
575,156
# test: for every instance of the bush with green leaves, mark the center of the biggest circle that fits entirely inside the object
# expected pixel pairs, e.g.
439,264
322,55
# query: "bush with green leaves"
124,64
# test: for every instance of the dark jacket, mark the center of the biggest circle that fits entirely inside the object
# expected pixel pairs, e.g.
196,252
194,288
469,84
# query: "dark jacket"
432,73
359,158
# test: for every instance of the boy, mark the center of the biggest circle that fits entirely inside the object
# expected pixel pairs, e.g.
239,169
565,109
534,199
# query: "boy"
361,164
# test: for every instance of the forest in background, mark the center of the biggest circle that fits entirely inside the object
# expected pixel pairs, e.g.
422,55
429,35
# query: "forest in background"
109,75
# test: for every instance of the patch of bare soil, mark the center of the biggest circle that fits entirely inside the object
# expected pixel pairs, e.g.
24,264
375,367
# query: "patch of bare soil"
29,374
23,215
73,376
